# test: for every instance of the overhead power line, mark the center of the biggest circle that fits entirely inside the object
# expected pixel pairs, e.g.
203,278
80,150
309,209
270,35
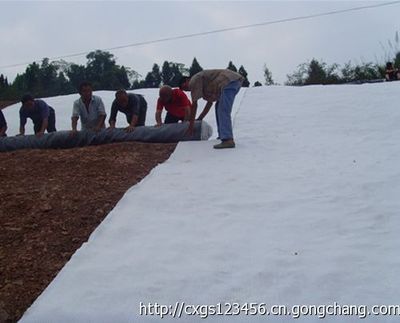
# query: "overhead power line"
216,31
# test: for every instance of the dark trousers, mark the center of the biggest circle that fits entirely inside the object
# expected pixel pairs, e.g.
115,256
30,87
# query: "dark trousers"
51,126
170,118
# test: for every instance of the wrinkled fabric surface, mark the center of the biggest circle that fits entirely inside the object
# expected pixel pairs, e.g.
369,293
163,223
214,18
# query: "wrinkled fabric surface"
167,133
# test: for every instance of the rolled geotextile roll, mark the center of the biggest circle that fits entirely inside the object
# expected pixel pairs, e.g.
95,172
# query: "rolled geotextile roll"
168,133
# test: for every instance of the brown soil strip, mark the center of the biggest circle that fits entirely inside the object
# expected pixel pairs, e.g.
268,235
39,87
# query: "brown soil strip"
51,201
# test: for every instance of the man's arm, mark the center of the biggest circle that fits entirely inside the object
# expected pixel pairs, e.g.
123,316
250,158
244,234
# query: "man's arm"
102,116
133,123
135,110
205,111
45,113
187,113
192,117
22,119
113,116
3,131
45,123
159,109
134,120
3,124
158,118
185,102
75,117
74,123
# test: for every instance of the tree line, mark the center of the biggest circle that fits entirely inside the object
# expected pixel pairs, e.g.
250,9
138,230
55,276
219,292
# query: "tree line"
101,69
319,72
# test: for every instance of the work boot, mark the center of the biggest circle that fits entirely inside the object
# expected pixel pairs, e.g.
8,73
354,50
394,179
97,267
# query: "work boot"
225,144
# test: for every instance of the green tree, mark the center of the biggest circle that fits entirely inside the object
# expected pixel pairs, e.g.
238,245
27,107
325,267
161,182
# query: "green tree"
166,73
195,67
172,73
104,73
31,79
321,73
362,72
76,74
3,82
232,67
3,87
64,86
122,78
133,77
314,72
153,78
298,77
98,65
178,70
61,77
268,76
243,72
48,79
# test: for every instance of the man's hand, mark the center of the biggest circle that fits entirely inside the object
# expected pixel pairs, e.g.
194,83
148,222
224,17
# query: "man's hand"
193,112
112,127
73,133
130,128
3,131
40,134
158,124
22,131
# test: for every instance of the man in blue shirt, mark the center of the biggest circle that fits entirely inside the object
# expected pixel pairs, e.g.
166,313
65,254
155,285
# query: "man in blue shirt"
134,106
3,125
41,114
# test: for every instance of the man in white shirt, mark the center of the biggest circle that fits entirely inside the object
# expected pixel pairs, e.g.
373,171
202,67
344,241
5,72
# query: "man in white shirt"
89,108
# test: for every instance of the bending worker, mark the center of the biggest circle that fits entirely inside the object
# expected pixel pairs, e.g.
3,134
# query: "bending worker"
175,102
220,86
134,106
41,114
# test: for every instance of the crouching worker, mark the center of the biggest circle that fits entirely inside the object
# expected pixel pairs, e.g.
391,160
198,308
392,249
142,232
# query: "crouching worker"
41,114
391,73
220,86
175,102
89,108
3,125
134,106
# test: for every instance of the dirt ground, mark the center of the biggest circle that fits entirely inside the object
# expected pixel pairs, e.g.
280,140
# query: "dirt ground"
51,201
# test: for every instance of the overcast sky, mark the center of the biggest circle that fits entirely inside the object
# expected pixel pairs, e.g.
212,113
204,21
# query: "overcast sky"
33,30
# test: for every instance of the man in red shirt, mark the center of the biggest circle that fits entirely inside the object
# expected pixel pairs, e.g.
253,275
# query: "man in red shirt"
175,102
